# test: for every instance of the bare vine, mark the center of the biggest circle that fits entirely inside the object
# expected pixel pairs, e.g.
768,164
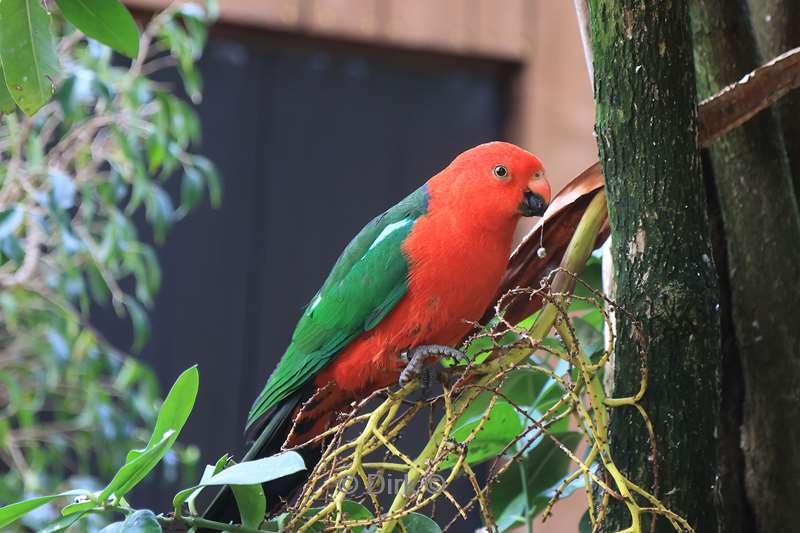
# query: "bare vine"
582,401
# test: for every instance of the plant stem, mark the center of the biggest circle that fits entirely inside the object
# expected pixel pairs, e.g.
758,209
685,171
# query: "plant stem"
197,522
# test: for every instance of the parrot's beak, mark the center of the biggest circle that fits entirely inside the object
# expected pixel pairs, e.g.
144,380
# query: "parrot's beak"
536,199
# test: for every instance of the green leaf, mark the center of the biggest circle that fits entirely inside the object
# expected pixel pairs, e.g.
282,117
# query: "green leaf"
355,511
172,416
524,387
213,180
13,249
11,513
27,53
191,188
140,321
143,521
63,523
77,507
176,408
590,338
260,470
585,525
107,21
593,276
502,427
245,480
251,502
10,219
419,523
543,468
189,495
7,104
135,470
159,211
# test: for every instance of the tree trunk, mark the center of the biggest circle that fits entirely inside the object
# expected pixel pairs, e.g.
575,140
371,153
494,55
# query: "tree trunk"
762,232
777,27
647,132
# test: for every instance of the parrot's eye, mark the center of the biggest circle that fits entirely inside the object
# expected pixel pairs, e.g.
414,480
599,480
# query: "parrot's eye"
500,172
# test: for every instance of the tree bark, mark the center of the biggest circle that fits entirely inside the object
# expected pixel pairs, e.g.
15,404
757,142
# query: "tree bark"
647,135
762,232
777,28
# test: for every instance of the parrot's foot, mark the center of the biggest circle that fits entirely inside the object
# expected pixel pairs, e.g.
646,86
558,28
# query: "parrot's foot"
417,356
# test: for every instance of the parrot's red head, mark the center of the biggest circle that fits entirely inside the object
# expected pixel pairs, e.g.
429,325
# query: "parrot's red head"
496,181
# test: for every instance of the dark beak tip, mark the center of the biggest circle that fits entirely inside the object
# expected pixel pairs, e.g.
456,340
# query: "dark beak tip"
532,205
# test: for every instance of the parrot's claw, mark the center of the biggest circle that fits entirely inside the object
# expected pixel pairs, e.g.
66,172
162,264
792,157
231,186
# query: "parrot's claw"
415,359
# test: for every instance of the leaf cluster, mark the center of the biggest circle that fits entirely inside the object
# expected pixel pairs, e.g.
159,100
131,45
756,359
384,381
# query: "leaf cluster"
77,177
29,59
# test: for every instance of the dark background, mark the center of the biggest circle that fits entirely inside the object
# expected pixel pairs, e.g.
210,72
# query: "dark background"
312,139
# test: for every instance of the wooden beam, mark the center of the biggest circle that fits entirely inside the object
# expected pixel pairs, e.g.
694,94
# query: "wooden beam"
489,29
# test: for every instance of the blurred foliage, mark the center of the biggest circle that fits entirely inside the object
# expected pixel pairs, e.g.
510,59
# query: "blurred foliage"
73,176
28,52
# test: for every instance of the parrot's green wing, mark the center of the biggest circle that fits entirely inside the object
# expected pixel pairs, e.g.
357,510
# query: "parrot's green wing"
367,281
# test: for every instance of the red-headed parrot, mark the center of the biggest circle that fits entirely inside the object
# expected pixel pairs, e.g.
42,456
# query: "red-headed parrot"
418,275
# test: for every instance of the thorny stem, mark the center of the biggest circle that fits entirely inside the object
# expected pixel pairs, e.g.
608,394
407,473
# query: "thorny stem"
575,257
583,397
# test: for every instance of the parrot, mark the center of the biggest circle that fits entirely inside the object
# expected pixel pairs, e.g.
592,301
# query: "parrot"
408,287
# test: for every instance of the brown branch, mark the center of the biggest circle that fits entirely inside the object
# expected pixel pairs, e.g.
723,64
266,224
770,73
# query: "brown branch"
741,101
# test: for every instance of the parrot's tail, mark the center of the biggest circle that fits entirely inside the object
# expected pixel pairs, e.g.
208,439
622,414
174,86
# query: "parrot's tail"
223,507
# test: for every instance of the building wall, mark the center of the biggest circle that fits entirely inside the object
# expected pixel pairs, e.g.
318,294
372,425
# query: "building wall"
551,110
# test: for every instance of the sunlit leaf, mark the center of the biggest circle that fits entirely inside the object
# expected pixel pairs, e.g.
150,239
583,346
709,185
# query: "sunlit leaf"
137,469
77,507
251,502
245,480
171,418
419,523
27,53
524,387
260,470
189,495
176,408
108,21
11,513
499,430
